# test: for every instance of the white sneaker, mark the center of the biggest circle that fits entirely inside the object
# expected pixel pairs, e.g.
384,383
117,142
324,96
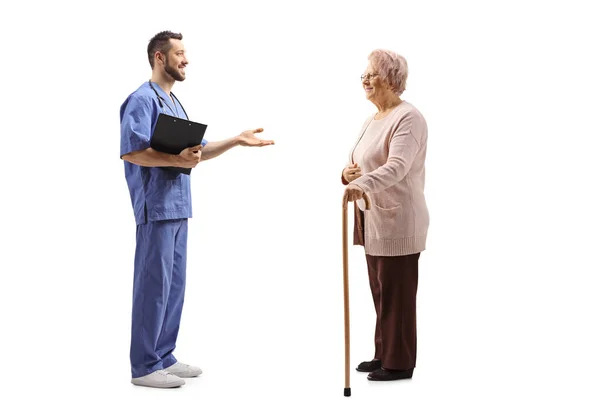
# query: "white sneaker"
159,379
184,370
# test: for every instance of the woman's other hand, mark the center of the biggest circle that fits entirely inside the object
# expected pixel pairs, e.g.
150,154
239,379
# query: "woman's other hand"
351,172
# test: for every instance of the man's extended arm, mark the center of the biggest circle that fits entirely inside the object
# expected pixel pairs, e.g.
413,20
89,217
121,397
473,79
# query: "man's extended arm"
214,149
246,138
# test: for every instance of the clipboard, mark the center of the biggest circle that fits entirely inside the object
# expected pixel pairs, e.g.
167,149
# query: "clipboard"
172,134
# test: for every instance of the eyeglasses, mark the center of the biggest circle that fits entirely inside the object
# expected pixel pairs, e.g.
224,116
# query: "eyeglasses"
368,77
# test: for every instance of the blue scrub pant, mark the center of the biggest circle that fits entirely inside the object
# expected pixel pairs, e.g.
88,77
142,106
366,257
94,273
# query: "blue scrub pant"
158,292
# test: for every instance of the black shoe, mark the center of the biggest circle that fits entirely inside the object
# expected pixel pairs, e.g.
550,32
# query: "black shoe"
390,374
369,366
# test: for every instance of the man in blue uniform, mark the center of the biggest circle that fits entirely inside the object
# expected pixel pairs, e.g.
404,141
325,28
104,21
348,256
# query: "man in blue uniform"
161,201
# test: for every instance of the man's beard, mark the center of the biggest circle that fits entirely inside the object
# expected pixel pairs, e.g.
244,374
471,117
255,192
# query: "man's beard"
173,72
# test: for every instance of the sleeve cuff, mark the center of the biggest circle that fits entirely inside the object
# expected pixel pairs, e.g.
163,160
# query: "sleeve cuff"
361,185
344,181
134,147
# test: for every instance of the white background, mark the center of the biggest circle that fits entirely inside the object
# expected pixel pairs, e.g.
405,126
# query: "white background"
508,291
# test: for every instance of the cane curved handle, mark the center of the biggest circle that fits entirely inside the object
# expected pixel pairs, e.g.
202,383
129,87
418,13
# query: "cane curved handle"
367,201
365,198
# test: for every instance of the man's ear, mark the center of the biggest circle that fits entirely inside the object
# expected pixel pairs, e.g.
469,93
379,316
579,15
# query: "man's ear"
158,56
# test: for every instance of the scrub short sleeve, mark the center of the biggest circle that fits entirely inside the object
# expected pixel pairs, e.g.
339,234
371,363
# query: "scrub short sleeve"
204,142
136,125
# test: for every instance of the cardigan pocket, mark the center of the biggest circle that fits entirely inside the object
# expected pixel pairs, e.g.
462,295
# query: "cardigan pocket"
389,223
389,199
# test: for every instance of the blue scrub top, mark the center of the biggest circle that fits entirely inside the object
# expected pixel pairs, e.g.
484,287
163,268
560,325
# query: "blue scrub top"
156,194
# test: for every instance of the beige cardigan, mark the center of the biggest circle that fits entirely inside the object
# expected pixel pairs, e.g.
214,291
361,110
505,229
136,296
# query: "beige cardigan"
393,176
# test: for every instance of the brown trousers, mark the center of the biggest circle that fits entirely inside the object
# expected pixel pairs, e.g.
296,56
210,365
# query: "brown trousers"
393,282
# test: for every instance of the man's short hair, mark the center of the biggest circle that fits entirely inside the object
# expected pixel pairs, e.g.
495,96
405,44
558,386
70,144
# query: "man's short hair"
160,42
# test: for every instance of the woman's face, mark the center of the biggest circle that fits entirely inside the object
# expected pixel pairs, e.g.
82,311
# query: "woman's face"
374,86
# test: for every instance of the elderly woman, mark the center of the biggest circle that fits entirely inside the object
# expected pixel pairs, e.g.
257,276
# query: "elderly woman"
387,163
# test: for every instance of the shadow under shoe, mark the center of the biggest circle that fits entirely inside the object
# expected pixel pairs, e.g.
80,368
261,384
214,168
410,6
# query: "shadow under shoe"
383,374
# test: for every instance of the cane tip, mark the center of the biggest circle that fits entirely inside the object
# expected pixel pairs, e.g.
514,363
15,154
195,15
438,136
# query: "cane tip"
347,392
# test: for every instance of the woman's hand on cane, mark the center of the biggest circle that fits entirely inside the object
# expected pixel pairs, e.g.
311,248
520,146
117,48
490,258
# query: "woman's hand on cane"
353,193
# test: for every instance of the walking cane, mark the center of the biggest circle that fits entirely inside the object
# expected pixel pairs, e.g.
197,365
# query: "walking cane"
346,297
